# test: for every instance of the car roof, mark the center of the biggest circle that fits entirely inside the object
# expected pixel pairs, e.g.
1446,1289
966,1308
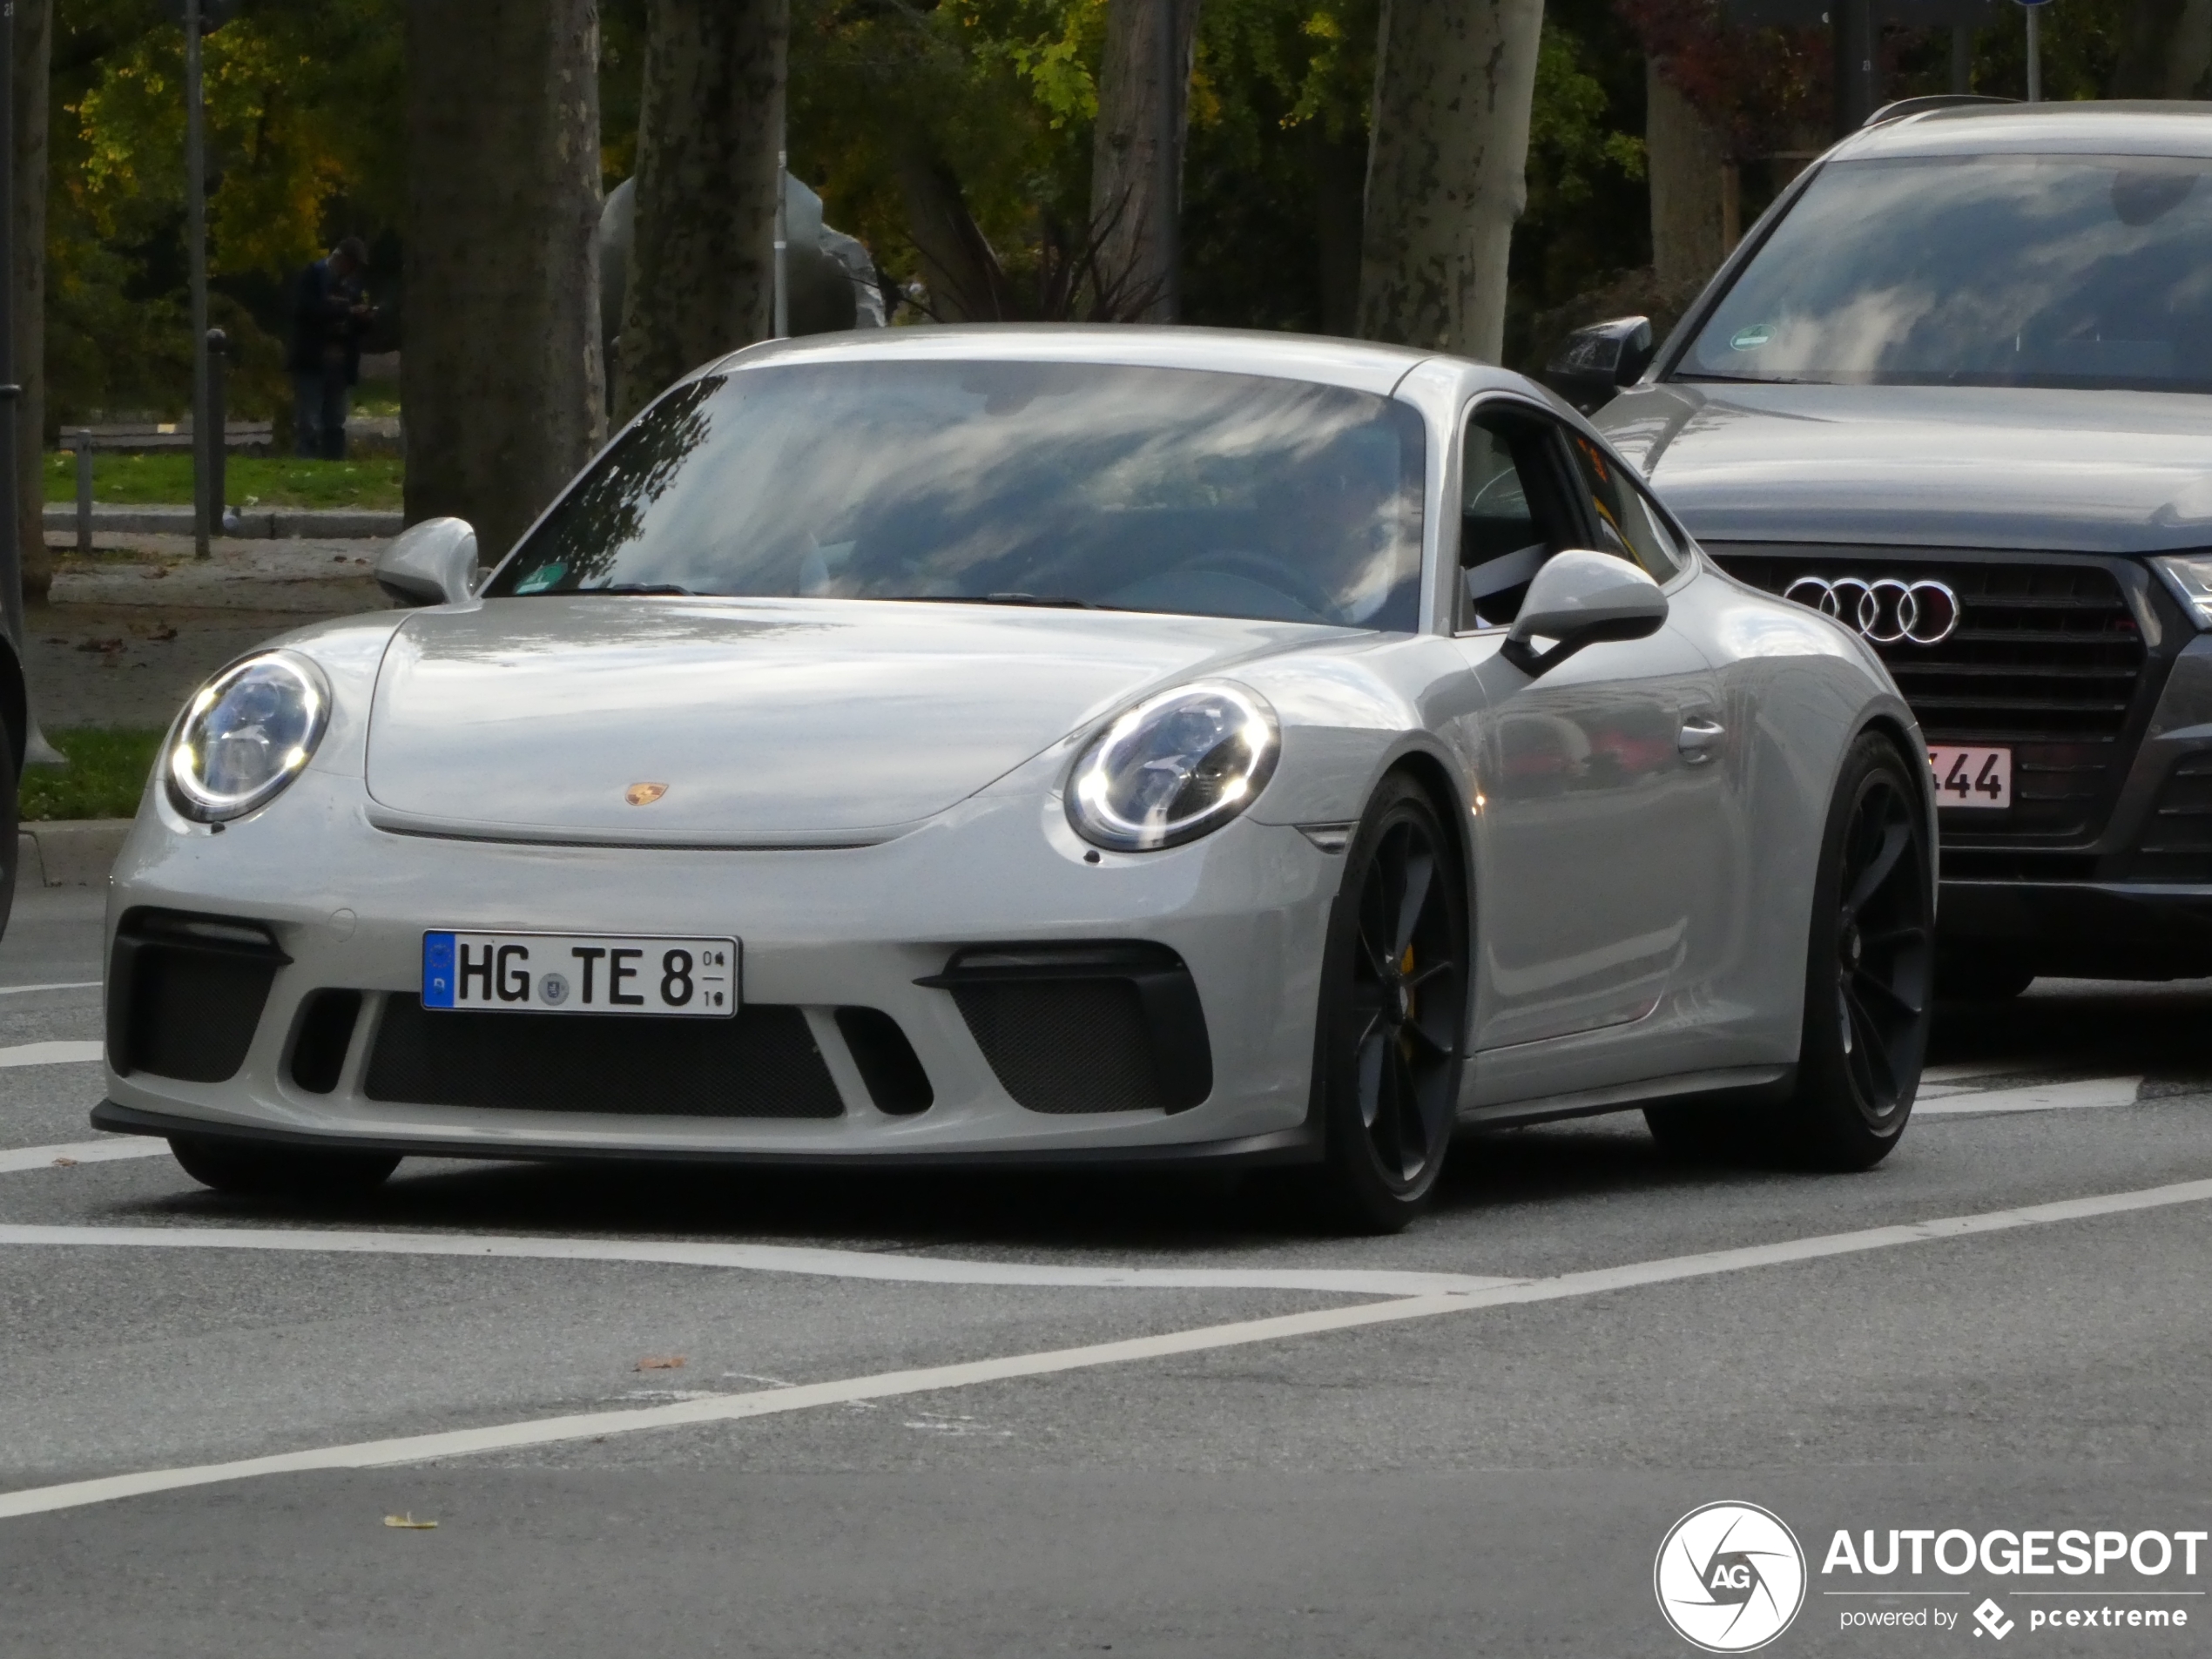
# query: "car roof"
1358,364
2115,128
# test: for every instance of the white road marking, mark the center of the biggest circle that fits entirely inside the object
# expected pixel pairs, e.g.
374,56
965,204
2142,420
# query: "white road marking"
887,1266
49,1053
63,985
106,1151
1966,1070
724,1408
2035,1097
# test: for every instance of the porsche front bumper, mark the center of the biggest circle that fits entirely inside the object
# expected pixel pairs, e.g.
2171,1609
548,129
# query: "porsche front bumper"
345,905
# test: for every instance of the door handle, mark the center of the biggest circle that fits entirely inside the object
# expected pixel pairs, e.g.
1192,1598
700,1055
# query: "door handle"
1699,737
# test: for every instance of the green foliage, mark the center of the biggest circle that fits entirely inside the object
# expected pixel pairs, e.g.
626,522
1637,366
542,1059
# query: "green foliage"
372,483
107,772
305,142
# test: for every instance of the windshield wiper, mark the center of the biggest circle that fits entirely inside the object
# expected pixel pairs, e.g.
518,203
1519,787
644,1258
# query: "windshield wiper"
642,587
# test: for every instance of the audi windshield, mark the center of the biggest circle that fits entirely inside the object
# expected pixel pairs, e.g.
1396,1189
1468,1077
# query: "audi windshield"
1004,482
2033,270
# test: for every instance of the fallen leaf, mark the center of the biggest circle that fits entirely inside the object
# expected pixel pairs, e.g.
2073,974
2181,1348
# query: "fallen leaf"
64,1164
101,645
661,1362
157,573
410,1524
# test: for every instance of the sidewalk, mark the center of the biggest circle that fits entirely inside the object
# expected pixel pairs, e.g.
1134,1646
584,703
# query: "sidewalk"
128,633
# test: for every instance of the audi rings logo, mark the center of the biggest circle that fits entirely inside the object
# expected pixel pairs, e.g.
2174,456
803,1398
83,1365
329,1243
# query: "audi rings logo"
1730,1577
1883,610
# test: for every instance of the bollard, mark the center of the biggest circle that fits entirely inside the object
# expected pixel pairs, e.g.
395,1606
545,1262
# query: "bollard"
217,437
83,447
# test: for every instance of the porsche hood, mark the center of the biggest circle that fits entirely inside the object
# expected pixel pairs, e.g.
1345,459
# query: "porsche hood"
767,721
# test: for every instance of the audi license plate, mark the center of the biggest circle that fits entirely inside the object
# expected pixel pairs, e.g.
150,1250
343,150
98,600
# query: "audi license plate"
1972,777
580,974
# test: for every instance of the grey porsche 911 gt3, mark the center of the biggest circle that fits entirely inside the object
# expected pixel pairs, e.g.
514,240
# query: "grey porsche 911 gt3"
1037,745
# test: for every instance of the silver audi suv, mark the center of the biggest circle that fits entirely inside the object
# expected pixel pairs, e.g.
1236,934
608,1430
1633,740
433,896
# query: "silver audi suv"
1955,390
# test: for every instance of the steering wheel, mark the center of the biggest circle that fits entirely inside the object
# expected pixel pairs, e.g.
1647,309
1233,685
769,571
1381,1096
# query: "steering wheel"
1268,571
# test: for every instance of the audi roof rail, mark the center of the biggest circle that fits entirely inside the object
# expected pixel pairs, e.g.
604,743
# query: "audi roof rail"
1904,106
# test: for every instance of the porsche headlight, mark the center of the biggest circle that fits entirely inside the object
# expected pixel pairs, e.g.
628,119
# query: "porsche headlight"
246,734
1173,768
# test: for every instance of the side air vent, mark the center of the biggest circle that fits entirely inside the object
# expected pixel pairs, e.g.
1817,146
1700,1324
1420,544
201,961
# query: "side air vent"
2176,844
1112,1027
320,1042
185,992
887,1062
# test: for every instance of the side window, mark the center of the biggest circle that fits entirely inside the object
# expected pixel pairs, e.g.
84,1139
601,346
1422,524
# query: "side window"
1514,513
1626,525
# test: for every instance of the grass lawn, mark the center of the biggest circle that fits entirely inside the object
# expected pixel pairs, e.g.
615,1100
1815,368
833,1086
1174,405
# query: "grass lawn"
268,480
107,772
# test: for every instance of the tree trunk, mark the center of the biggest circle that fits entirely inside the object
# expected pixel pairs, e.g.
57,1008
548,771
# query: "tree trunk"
500,376
33,50
1338,166
966,282
1137,155
2165,50
702,267
1682,159
1446,170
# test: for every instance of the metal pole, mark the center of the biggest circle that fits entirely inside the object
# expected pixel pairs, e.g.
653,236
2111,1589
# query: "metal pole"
2034,54
1962,58
1167,183
217,430
782,321
83,447
196,244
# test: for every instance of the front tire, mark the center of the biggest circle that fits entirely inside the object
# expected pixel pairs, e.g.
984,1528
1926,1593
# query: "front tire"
251,1171
1394,1008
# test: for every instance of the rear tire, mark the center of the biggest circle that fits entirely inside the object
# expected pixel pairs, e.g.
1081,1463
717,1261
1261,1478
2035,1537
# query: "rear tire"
1870,967
258,1172
1392,1015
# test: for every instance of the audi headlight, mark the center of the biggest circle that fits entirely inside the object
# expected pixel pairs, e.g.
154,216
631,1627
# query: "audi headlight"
245,734
1175,767
2189,575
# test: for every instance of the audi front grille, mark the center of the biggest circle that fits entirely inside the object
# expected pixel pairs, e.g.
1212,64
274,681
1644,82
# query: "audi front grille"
2047,658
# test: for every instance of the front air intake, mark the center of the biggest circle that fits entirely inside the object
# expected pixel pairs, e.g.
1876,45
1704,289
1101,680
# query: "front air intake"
185,992
1114,1027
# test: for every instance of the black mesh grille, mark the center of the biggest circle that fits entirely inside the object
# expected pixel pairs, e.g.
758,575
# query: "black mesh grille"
1065,1045
2176,840
762,1063
2047,659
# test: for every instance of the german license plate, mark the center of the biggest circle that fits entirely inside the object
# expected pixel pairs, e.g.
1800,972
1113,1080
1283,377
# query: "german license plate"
1972,777
580,974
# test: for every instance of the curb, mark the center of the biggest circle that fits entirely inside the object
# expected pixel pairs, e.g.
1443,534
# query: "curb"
69,852
290,523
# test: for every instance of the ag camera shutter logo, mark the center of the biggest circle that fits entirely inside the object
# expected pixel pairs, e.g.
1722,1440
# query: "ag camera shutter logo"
1730,1577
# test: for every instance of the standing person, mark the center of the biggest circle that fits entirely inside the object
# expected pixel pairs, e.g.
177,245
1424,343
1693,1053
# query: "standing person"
328,320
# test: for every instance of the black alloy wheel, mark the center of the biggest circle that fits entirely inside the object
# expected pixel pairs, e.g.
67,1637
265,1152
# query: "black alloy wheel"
1884,947
1394,1009
1869,976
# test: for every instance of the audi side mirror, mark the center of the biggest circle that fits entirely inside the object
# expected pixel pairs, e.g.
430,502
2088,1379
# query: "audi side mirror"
1597,361
430,563
1581,598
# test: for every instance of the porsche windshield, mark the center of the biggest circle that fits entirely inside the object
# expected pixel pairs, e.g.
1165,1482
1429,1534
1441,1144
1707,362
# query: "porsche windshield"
1014,483
2062,271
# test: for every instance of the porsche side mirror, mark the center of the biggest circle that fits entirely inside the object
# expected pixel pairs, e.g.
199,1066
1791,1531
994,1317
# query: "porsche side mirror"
430,563
1597,361
1581,598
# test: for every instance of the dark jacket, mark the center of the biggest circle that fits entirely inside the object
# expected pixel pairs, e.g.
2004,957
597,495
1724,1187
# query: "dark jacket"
325,333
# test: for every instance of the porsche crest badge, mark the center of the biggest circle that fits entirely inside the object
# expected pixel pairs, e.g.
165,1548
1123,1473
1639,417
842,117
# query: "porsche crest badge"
644,794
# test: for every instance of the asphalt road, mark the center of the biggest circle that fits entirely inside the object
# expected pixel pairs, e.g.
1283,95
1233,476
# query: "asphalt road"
1023,1416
